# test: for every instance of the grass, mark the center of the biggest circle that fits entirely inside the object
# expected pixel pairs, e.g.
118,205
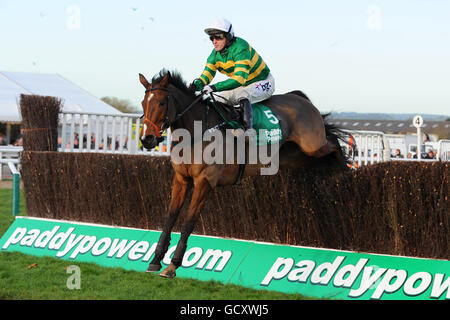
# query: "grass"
29,277
6,217
48,279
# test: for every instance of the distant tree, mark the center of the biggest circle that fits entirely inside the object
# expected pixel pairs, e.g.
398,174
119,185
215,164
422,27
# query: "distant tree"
122,105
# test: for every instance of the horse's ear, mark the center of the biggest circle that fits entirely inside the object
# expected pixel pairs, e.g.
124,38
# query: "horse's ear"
144,81
165,81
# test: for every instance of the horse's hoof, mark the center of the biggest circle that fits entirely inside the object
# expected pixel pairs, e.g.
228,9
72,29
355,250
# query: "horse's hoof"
168,273
153,268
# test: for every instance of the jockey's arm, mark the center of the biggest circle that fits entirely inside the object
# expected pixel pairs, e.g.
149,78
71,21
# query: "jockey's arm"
207,75
238,76
240,73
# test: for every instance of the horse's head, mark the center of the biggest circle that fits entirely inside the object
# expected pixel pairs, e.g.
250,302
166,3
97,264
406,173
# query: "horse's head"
155,105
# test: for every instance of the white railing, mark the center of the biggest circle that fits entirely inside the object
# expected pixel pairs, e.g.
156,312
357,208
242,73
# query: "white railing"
397,142
9,154
111,133
371,147
374,146
100,129
443,150
105,133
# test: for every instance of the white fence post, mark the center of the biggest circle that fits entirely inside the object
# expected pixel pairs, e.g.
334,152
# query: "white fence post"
371,147
443,150
9,154
122,129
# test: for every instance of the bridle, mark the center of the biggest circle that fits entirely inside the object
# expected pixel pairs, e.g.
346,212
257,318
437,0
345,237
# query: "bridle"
158,130
166,122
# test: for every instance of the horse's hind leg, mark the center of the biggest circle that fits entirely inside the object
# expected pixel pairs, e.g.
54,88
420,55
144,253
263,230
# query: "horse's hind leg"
179,188
201,191
324,150
311,137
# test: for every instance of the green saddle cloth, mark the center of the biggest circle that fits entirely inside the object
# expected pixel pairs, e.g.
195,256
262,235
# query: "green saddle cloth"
266,125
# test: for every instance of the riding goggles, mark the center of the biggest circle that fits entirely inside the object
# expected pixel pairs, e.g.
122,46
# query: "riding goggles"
218,36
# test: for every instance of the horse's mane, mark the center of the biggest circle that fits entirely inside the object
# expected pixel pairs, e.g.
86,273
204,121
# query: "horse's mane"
175,79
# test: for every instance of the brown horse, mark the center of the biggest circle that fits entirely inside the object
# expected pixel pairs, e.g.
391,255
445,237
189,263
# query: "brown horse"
169,102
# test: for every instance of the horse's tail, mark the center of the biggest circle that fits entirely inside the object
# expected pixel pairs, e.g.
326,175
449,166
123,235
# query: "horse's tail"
337,135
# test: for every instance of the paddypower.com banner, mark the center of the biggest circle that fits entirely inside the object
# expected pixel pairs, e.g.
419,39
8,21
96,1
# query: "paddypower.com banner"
309,271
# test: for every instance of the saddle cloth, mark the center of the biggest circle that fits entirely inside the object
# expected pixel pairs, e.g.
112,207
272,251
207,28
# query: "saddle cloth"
266,125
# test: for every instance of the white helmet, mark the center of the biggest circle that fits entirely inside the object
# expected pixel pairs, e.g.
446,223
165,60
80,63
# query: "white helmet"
221,25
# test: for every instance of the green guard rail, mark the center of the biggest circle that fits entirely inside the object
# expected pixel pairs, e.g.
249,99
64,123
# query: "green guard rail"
15,189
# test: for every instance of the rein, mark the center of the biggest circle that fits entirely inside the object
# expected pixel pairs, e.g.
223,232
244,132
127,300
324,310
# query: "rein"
167,123
189,107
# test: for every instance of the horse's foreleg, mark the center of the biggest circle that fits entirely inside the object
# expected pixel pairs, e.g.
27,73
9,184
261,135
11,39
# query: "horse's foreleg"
201,191
179,188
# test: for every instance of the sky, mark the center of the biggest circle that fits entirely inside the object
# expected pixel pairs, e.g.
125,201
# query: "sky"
385,56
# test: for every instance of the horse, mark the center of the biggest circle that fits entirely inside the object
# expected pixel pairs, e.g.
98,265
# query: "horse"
170,103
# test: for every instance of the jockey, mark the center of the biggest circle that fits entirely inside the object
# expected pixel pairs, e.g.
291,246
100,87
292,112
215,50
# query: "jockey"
250,79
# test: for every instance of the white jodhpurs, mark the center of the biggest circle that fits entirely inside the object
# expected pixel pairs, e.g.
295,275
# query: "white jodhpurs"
255,92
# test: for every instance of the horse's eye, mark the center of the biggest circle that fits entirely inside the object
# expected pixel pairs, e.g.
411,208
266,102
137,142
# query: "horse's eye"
162,103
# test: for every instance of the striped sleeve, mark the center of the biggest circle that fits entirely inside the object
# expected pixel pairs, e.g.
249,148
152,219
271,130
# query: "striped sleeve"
240,74
210,70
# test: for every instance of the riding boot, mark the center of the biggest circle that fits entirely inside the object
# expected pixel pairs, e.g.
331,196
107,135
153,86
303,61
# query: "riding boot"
248,113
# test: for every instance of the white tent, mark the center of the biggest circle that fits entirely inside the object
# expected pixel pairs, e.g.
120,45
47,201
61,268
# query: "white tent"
74,98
